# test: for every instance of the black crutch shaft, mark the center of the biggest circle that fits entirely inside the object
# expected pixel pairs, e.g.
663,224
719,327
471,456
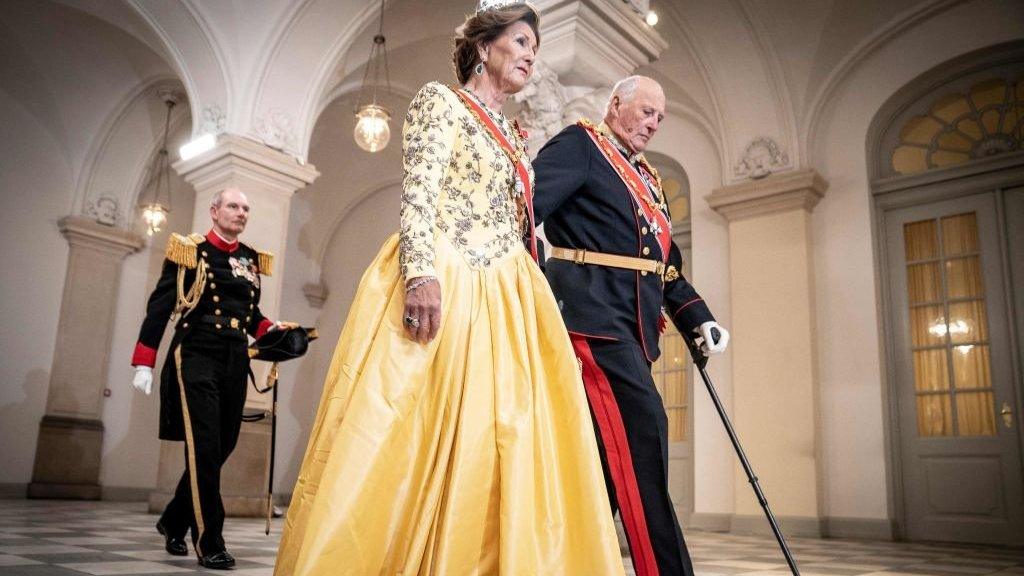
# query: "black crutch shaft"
700,360
270,471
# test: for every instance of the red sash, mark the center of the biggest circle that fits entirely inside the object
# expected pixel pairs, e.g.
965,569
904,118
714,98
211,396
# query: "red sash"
637,188
514,156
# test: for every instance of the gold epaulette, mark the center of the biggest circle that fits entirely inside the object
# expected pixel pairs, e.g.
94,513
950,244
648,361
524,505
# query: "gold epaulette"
265,262
197,238
181,250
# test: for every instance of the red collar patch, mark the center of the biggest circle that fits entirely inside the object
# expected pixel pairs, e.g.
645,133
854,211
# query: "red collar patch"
219,243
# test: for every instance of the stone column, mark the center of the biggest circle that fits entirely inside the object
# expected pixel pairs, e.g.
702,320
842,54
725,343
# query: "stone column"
70,445
268,178
775,387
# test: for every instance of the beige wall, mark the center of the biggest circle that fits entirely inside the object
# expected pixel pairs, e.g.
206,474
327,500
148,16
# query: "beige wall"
130,444
683,140
849,359
34,187
773,361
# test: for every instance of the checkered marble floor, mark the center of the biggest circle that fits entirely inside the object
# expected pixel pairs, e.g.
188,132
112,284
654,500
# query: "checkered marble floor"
59,538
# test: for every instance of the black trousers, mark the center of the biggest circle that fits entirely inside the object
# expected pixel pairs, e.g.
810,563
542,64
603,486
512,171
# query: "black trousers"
211,372
632,431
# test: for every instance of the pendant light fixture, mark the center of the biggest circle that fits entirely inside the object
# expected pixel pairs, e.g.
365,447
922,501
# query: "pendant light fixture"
373,120
157,203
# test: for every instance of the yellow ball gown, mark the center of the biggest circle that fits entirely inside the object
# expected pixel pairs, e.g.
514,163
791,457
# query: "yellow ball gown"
475,453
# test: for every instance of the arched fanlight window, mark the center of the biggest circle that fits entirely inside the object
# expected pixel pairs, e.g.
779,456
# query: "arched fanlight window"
985,121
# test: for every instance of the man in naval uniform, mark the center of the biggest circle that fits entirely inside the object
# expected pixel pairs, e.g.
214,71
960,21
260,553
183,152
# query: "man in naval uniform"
211,286
614,269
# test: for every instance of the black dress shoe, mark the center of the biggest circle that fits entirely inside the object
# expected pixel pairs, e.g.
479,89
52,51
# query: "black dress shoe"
173,544
217,561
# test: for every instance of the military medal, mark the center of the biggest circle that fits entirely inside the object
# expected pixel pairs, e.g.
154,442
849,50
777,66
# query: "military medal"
642,183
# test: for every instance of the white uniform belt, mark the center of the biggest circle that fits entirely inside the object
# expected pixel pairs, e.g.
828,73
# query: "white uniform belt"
581,256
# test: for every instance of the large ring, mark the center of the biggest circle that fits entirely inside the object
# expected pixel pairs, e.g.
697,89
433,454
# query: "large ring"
411,321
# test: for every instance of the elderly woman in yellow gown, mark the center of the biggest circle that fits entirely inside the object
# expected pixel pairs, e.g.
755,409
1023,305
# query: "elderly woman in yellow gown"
453,435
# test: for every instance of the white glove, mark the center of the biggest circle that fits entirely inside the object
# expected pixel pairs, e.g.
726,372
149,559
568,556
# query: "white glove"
709,345
143,381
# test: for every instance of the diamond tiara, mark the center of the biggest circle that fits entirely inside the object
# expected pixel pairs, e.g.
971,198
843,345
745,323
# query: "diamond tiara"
486,5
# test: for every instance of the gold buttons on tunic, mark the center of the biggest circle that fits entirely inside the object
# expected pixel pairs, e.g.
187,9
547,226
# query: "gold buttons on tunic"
639,212
209,275
643,272
248,318
213,285
644,230
252,293
204,254
217,311
218,326
646,250
216,298
185,325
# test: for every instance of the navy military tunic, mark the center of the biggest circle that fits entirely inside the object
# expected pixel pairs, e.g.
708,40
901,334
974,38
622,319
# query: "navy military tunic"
583,203
613,317
232,291
203,382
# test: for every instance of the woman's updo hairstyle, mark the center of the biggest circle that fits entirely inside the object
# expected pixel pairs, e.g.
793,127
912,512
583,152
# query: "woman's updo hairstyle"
484,27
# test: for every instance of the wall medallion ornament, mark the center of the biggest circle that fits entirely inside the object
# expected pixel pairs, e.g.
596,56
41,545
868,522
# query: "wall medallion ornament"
213,121
762,157
275,129
104,210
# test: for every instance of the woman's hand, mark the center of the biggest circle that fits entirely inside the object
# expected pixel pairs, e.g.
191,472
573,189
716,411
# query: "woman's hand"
422,315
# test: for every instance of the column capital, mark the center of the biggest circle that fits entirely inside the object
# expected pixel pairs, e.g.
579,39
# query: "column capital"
596,42
88,233
792,190
246,164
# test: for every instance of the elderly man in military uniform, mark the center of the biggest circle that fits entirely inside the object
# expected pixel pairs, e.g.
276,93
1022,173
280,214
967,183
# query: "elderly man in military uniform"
614,269
210,287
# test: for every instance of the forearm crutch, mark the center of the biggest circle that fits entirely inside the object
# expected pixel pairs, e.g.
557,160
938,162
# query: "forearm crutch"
701,361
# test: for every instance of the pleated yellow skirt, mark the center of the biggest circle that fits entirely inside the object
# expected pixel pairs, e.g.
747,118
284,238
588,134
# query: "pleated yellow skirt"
473,454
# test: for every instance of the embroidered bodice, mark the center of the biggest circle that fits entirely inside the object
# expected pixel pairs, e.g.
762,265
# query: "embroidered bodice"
458,182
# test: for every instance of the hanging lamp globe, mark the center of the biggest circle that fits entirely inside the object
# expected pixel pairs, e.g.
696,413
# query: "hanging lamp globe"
155,216
372,131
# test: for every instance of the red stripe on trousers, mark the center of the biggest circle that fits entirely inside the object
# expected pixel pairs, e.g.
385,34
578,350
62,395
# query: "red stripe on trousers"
620,462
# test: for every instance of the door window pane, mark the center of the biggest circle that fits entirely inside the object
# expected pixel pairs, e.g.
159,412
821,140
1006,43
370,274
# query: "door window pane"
921,240
970,367
934,417
968,322
924,283
960,234
963,278
975,414
670,377
948,327
930,370
927,326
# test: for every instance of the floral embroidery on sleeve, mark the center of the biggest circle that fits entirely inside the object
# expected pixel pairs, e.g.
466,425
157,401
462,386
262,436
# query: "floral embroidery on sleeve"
428,141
